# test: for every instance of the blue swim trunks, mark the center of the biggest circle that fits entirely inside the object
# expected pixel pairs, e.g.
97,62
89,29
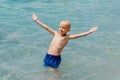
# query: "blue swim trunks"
52,61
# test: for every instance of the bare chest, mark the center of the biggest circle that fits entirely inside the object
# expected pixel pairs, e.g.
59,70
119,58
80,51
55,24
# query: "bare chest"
59,41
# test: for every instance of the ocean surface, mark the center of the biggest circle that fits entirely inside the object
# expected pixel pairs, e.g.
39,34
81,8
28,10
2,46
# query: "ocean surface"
23,43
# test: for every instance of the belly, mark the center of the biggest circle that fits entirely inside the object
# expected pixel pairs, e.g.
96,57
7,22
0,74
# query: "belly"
55,50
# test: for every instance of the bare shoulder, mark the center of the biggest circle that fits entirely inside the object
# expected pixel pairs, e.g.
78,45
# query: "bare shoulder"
56,33
68,36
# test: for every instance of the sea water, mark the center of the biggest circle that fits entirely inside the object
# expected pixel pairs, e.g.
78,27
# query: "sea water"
23,43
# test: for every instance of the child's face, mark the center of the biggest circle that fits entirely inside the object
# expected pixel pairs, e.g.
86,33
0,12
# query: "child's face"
64,27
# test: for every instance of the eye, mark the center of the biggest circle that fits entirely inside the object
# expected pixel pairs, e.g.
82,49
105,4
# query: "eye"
63,27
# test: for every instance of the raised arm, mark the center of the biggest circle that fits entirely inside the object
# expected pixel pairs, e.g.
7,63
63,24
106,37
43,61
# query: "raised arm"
93,29
35,18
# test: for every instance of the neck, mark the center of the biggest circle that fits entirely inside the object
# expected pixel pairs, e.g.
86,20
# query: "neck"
62,35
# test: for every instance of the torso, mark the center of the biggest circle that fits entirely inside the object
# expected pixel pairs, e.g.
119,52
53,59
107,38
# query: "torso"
57,44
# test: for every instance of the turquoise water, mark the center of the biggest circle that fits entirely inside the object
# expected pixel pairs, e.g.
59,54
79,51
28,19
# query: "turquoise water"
23,43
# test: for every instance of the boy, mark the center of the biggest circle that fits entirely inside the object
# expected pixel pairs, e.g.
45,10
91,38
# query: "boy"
53,56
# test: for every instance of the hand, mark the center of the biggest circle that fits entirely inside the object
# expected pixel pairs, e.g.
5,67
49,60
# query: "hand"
34,17
93,29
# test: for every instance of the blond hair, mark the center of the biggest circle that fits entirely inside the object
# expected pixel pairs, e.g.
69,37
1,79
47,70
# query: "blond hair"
66,22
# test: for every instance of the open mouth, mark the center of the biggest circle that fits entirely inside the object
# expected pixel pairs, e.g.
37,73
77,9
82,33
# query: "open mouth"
61,31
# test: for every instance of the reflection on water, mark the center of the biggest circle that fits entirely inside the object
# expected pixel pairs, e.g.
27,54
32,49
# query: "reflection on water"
52,74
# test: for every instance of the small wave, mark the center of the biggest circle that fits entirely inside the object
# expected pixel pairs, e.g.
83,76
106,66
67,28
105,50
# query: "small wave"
21,1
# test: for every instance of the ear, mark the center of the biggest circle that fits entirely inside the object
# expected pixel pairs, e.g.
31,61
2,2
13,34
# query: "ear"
68,30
